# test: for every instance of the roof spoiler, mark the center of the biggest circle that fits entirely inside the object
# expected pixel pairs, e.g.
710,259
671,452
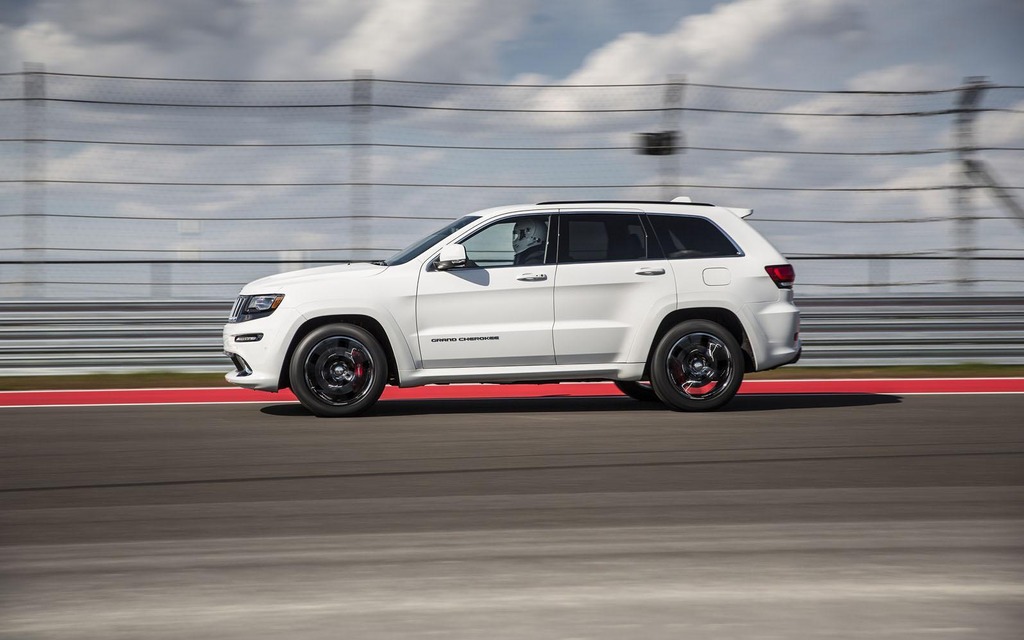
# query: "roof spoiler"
738,212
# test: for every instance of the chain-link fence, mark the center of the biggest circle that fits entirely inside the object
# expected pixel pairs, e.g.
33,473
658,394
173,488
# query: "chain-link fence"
150,188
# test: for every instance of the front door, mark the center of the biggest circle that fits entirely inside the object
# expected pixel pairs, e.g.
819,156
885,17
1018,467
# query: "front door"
496,311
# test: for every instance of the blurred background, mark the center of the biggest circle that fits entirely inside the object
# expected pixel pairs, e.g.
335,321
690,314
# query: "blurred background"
136,208
142,188
155,158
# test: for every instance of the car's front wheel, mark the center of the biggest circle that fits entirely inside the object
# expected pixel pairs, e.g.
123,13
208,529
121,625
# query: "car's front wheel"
697,366
338,370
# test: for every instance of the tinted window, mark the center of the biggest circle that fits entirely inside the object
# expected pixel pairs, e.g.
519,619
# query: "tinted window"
690,237
599,237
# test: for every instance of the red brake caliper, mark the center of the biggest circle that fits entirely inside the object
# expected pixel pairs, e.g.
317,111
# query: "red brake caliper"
360,370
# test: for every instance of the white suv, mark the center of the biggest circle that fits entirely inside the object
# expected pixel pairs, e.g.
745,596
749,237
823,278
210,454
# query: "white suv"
670,300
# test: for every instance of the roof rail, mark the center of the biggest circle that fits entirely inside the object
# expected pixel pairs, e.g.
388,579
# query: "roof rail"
687,204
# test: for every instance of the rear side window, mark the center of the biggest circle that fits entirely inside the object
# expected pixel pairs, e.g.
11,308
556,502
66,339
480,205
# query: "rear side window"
691,237
601,237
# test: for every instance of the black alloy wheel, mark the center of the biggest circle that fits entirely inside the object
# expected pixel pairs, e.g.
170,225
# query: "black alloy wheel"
338,370
697,366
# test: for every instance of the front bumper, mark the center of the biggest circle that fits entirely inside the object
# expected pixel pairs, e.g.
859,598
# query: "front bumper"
258,364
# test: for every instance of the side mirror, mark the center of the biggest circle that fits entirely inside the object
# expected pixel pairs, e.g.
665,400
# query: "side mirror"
452,256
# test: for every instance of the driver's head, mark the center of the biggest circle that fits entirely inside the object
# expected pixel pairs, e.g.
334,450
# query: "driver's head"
528,233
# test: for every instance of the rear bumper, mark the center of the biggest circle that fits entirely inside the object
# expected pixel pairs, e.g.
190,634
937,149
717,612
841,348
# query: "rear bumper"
799,352
795,359
775,339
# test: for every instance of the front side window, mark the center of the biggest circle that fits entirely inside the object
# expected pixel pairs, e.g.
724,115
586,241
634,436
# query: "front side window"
601,237
519,241
691,237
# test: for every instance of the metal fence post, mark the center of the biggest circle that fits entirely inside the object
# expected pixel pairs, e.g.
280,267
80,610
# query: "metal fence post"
671,163
34,188
879,273
965,233
160,281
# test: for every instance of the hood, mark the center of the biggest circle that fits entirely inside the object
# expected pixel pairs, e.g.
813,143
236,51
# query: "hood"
273,284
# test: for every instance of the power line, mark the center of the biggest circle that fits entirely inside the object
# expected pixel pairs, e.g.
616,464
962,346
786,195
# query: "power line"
923,92
429,185
280,261
174,261
379,105
632,147
123,250
99,216
329,144
927,256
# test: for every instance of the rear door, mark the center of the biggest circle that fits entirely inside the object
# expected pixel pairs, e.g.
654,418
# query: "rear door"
611,283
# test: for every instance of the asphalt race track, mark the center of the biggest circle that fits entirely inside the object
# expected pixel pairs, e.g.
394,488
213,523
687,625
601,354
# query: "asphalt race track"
796,516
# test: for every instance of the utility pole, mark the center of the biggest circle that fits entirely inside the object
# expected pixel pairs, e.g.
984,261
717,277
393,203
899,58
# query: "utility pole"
34,188
964,230
361,170
667,143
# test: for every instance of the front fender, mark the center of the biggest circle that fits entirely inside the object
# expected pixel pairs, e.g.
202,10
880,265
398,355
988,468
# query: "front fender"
405,358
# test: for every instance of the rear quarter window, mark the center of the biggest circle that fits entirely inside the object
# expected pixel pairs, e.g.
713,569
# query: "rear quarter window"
691,237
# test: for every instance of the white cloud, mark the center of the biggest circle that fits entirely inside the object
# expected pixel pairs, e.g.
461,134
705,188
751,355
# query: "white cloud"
437,39
398,38
710,46
904,77
1001,128
756,171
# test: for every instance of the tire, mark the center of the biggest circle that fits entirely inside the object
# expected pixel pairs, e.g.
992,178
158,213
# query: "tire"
338,370
641,391
697,366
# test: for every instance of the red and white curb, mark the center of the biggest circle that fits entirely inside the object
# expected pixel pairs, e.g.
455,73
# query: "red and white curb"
225,395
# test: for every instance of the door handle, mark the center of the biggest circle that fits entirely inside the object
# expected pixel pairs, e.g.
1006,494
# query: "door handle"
532,277
649,271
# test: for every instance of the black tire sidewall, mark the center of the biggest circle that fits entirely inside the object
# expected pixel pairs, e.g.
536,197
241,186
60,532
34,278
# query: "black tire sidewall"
637,391
297,375
665,388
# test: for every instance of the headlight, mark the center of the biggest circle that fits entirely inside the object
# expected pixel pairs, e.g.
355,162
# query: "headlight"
252,307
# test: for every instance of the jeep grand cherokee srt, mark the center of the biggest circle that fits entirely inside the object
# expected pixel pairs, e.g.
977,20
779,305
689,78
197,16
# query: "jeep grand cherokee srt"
672,301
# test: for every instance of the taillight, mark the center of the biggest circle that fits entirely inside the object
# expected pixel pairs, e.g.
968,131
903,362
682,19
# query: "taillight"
782,275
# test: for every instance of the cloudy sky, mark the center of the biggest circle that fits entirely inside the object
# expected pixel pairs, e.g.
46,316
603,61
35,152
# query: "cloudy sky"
823,45
817,44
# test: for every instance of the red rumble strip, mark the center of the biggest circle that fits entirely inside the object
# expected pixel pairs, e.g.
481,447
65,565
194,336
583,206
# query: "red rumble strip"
217,395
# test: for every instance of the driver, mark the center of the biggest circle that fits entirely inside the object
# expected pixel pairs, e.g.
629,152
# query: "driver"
528,239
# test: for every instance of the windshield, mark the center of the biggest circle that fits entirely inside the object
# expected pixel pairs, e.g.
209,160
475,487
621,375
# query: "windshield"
418,247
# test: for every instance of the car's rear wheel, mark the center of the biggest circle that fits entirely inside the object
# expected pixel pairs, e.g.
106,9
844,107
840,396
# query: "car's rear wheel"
641,391
338,370
697,366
